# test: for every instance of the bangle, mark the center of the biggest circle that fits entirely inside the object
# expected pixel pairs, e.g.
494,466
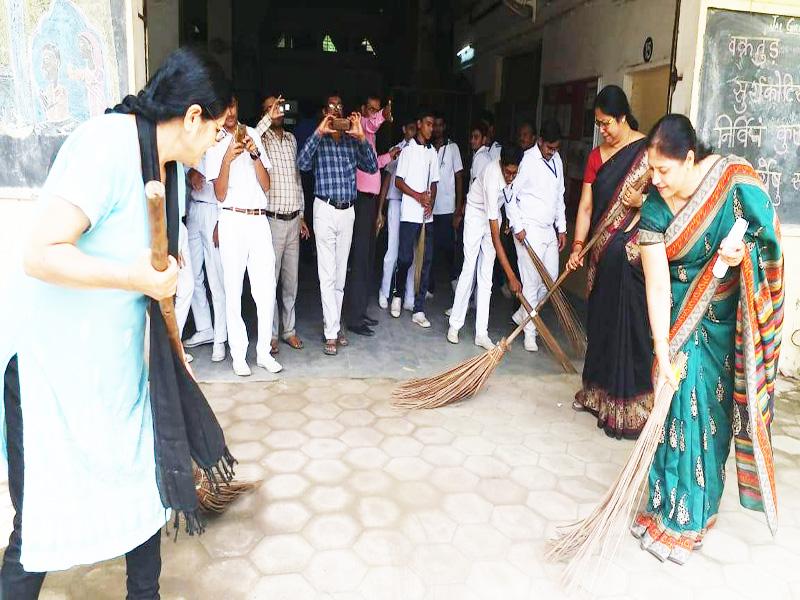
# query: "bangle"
578,243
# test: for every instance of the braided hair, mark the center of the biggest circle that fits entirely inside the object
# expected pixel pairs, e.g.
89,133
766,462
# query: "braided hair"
188,76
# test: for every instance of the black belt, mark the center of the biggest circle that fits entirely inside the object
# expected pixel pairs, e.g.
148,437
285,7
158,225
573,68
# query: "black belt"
337,204
282,216
246,211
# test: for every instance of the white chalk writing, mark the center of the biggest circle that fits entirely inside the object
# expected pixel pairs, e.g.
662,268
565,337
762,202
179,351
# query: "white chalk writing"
757,49
771,178
741,131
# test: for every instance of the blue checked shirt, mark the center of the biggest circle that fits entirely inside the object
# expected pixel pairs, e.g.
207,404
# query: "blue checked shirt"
335,163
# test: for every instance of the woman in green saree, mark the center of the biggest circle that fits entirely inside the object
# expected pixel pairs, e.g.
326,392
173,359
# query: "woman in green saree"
729,328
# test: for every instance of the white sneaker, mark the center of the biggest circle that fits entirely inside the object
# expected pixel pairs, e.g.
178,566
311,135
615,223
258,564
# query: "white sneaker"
206,336
448,312
484,342
395,311
218,353
383,302
241,369
428,295
452,335
419,319
530,343
516,318
270,364
188,357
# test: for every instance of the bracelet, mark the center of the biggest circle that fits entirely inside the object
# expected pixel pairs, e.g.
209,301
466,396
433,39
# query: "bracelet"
578,243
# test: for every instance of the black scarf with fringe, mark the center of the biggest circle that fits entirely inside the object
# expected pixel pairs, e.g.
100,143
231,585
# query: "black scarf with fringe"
185,428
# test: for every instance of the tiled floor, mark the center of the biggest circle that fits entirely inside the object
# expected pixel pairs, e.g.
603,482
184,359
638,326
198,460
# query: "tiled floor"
362,502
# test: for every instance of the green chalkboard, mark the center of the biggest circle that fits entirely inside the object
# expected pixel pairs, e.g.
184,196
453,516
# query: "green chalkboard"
749,101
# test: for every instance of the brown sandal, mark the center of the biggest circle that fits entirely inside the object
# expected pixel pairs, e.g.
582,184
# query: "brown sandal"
295,342
329,348
578,407
273,347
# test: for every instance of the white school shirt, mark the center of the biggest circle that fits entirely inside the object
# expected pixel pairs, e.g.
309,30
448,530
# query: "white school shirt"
494,150
540,192
244,191
419,168
206,193
480,159
485,195
393,193
449,157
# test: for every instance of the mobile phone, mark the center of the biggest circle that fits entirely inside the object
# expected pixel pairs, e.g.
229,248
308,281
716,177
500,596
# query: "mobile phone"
340,124
241,132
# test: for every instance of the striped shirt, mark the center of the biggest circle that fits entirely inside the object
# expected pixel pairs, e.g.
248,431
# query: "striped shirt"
285,191
334,164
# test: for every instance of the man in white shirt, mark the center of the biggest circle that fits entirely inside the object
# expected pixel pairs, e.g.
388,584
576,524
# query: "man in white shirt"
480,151
417,176
449,208
201,225
394,196
239,170
539,218
494,187
494,146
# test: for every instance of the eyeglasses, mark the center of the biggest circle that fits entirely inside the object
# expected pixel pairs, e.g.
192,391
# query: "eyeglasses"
339,106
603,124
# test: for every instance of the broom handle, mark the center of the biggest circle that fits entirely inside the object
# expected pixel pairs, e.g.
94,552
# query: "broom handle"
154,190
566,273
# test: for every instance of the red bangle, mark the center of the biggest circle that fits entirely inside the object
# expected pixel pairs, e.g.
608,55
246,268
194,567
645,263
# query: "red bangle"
580,243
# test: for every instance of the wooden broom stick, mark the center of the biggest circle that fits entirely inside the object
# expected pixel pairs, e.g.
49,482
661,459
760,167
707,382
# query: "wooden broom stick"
548,338
154,190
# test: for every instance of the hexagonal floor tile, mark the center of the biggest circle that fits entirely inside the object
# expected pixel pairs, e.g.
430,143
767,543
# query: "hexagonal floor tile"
323,428
286,439
481,541
359,437
517,522
490,580
322,410
562,465
356,418
392,583
467,508
283,587
383,547
333,531
553,506
398,446
283,517
443,456
432,526
486,466
378,512
252,412
284,461
288,485
230,578
474,445
408,468
502,491
433,435
370,482
326,470
282,554
230,539
323,448
287,420
394,426
366,458
440,564
335,571
326,498
454,479
417,494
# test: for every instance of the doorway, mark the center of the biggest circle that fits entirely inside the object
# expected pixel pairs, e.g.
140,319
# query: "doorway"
647,91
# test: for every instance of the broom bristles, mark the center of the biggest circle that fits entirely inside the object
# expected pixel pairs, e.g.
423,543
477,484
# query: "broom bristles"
460,382
216,498
601,532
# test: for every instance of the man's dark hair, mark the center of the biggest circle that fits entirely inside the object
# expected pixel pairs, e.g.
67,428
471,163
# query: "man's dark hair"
407,119
480,126
425,112
369,97
551,131
328,96
510,154
527,123
487,117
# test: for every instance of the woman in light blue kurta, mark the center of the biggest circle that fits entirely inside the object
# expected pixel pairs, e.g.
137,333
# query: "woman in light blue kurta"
79,371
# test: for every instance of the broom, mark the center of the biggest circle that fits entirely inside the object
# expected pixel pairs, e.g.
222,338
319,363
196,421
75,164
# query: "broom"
466,379
602,530
563,309
212,496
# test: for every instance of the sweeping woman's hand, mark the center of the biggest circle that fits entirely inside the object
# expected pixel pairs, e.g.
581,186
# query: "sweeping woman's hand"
666,374
142,277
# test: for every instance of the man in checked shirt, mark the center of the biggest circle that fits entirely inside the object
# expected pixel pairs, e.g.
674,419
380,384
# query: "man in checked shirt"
285,216
334,156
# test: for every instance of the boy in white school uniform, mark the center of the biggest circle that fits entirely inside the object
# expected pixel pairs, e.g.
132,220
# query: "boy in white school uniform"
394,196
449,208
240,174
201,223
417,177
480,157
493,188
539,218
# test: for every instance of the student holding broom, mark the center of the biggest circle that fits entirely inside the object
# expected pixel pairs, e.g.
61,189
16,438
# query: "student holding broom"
490,190
729,327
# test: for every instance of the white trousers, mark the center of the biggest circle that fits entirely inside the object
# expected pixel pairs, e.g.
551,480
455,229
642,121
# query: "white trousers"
245,242
479,255
545,245
183,295
333,232
392,249
200,222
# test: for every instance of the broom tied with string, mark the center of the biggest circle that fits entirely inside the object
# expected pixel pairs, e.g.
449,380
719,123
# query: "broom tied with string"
564,311
212,495
467,378
602,530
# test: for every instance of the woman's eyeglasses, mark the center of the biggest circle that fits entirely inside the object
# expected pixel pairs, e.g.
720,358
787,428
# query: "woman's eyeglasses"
338,107
603,124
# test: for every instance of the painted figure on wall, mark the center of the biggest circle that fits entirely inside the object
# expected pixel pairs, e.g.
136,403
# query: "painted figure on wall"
54,98
91,73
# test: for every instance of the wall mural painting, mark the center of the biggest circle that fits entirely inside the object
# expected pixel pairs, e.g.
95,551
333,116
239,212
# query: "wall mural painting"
61,62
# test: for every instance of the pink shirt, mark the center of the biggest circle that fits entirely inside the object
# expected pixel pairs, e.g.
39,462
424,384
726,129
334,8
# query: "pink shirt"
370,183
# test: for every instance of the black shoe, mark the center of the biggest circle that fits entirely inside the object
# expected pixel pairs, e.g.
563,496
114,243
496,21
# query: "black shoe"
369,321
362,329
